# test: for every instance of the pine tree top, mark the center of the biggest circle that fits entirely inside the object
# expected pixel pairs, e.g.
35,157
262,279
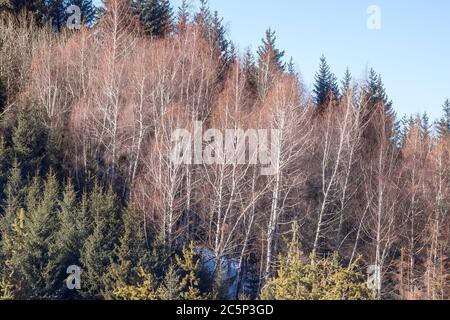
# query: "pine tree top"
443,124
269,49
325,83
346,81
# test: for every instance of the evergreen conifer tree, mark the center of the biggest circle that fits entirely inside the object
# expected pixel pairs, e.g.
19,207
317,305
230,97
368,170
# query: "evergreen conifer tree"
214,32
12,248
425,124
291,67
166,17
268,52
69,238
377,93
3,96
5,5
13,200
56,13
269,64
40,229
9,237
182,17
99,247
155,16
346,83
251,73
325,86
318,279
189,266
132,255
145,289
37,8
443,125
4,164
171,287
203,17
6,287
406,124
219,38
28,143
375,97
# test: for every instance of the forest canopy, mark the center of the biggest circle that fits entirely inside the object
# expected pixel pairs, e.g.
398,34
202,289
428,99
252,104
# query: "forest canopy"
86,123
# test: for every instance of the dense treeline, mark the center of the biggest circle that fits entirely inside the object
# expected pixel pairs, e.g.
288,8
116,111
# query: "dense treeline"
55,13
87,118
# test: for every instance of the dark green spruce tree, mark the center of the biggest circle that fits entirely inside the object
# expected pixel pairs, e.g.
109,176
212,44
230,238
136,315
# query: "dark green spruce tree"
12,222
377,93
204,16
425,125
290,67
171,287
406,123
166,17
213,30
37,8
40,230
28,143
326,88
4,166
69,239
269,64
56,13
250,71
99,247
443,124
269,54
182,18
346,83
155,16
376,97
13,199
219,38
3,97
131,254
5,5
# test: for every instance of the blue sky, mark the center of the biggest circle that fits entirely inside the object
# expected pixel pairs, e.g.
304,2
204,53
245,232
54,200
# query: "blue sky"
411,50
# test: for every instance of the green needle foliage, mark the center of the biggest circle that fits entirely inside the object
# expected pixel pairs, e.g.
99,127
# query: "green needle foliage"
315,279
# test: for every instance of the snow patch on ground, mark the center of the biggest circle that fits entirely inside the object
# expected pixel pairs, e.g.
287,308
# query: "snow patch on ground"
228,266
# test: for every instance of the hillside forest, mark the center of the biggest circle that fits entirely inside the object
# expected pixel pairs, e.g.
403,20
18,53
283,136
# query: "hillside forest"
86,122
